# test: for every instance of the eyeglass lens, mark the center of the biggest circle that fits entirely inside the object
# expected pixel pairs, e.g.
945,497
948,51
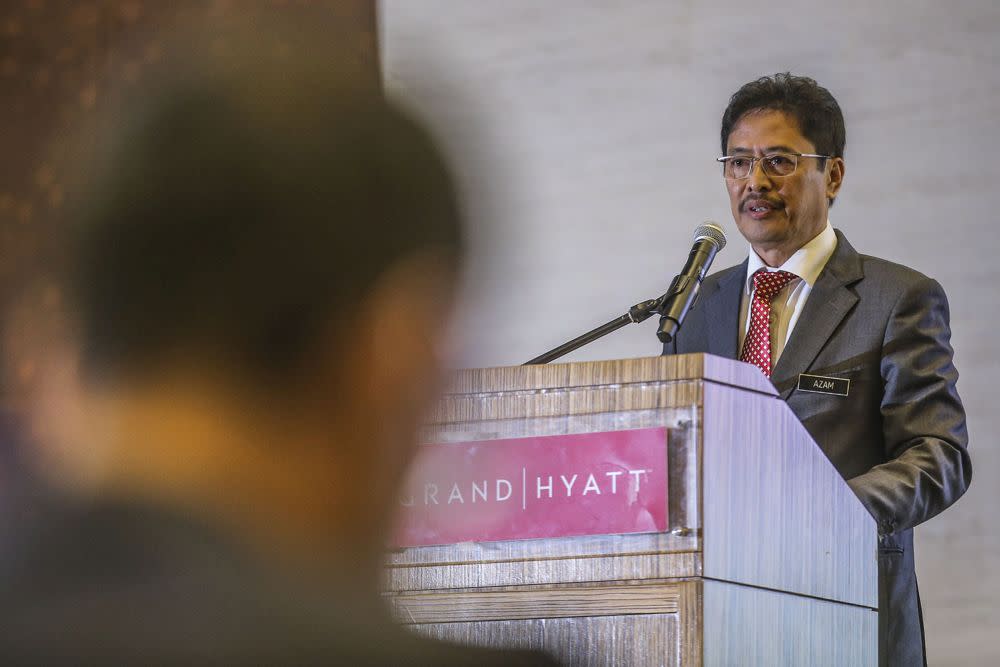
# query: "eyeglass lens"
779,164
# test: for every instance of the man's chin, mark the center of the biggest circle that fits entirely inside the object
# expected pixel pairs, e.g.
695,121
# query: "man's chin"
769,230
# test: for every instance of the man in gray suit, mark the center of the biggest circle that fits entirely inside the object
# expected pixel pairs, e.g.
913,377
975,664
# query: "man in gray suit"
858,346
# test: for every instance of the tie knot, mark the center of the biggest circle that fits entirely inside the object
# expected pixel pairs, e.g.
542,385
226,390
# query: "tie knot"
767,284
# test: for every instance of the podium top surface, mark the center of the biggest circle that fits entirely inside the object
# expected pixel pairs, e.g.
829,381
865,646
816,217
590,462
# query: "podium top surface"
613,372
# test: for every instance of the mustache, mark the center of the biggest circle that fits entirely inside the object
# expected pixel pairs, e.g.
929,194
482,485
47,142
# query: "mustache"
773,202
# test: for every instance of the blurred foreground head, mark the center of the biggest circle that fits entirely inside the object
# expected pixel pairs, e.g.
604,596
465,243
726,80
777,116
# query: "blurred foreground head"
262,263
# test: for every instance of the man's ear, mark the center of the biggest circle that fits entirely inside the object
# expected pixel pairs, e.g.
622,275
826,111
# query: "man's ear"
398,370
382,369
408,313
834,177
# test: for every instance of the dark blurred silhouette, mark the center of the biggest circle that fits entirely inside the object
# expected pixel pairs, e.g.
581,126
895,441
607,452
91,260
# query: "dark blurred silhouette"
263,255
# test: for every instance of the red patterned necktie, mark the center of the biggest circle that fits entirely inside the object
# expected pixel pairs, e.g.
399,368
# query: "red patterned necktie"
757,344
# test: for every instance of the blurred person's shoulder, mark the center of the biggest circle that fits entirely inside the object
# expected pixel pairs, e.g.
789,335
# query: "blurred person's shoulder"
123,582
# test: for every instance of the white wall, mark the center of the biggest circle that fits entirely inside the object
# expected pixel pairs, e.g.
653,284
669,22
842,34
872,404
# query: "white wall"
586,132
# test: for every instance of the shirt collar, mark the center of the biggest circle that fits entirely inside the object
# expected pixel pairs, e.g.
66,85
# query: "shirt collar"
807,262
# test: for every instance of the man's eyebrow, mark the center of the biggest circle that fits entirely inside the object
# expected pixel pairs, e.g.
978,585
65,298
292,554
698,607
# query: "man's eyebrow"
739,150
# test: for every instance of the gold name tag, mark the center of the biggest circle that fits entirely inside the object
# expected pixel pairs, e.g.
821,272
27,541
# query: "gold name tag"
821,384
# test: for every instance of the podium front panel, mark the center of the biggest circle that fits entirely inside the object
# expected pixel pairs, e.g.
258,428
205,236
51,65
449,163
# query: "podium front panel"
758,523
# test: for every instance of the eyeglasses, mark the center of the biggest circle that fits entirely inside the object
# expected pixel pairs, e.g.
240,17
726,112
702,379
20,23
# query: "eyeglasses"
775,164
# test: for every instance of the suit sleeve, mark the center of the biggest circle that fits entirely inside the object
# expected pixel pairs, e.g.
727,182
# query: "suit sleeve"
923,422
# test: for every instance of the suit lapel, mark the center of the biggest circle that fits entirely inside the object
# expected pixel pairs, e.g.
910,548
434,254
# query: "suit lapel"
722,313
829,302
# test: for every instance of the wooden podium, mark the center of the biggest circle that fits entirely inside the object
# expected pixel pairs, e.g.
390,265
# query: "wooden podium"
766,558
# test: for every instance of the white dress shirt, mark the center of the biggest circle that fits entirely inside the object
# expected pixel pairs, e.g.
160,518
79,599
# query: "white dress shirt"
807,263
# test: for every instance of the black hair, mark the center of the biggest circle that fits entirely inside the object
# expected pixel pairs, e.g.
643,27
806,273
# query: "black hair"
813,107
237,216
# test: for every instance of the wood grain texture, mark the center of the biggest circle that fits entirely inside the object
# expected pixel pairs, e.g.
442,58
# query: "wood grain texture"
777,514
673,416
623,384
631,623
751,626
587,374
566,402
601,641
546,549
536,602
544,572
692,622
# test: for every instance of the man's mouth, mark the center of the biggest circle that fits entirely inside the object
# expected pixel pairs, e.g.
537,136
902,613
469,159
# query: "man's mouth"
760,207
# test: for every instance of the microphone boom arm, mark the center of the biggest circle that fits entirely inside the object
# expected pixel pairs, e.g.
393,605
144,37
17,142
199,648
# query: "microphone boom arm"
672,307
640,312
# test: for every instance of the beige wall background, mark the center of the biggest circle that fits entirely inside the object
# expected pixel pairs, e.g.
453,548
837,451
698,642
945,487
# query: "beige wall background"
585,134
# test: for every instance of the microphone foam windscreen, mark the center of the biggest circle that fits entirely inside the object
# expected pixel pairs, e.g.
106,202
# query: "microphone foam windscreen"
711,231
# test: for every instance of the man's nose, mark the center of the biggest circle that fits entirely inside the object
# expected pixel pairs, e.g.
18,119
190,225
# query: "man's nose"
758,179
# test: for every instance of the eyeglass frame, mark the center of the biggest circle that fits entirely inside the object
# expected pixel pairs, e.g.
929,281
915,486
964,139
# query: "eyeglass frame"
754,160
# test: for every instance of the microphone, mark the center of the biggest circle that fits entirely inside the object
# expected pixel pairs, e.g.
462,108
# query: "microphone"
673,305
709,239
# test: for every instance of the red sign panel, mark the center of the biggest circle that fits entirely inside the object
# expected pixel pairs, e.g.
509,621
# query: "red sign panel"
524,488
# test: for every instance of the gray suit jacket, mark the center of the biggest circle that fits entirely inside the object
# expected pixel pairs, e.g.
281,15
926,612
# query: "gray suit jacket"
899,436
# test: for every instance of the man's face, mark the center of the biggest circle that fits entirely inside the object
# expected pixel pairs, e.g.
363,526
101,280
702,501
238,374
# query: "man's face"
778,215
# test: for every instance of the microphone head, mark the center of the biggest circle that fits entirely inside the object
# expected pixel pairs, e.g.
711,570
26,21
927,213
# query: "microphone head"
711,232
